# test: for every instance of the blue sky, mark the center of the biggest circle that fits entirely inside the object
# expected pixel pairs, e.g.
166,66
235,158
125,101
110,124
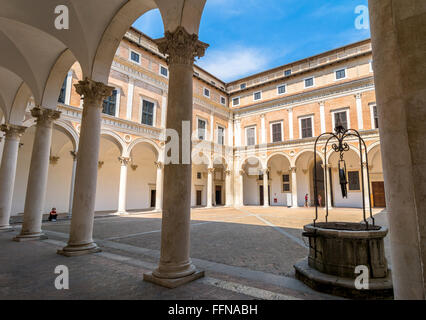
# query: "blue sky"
250,36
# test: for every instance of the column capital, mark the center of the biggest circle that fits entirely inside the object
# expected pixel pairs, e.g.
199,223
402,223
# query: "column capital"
211,170
181,47
159,164
242,172
293,169
44,115
228,172
265,171
124,160
358,96
12,131
93,92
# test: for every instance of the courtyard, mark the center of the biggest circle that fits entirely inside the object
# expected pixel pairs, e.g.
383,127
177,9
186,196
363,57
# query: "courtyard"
246,253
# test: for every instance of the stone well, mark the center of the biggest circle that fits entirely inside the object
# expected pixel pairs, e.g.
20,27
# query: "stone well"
336,249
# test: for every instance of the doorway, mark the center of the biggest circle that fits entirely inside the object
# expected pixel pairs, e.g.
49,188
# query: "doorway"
153,196
199,194
218,195
262,202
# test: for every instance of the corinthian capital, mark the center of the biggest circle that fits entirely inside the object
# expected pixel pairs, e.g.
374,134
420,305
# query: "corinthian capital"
44,115
181,47
12,131
124,160
93,92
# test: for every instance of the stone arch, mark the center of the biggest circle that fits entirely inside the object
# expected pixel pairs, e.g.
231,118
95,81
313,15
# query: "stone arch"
201,158
351,148
134,143
114,138
68,130
300,153
280,153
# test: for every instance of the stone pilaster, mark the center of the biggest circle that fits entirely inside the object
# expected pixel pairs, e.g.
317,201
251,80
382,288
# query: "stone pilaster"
122,190
293,187
37,178
175,266
12,136
83,208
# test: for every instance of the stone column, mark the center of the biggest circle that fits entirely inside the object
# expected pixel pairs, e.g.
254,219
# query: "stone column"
293,187
366,193
37,178
175,266
265,188
83,209
240,201
159,186
74,166
122,190
210,187
228,191
12,136
399,55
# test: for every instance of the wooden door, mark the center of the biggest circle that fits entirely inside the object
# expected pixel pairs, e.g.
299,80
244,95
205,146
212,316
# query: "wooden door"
198,198
379,200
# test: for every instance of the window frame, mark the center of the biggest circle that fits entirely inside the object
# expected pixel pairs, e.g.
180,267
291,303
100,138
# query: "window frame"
246,135
285,89
254,95
217,134
288,75
243,85
154,111
373,122
239,101
341,69
222,97
159,71
130,57
312,117
359,181
271,136
313,82
117,102
333,120
283,183
205,129
204,92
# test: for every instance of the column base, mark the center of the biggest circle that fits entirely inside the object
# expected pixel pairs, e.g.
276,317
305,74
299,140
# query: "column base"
120,213
79,250
172,283
6,228
30,237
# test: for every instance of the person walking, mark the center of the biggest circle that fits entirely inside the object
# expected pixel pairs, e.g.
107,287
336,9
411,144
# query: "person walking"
306,200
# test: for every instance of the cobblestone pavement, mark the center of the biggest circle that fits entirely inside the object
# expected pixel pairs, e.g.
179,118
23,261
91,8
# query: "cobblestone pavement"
247,253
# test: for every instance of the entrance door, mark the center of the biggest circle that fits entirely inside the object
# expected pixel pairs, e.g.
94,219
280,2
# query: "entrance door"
218,195
153,196
379,200
198,198
261,195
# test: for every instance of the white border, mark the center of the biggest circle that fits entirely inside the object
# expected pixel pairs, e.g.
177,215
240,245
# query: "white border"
130,57
372,105
313,81
346,109
239,101
281,85
312,123
340,69
217,134
205,129
154,118
255,134
271,132
254,95
159,71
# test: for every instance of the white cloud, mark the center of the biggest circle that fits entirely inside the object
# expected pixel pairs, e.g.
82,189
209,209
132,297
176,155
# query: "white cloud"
235,62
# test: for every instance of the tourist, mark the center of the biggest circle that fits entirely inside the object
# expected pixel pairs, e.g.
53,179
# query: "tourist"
306,200
53,215
319,200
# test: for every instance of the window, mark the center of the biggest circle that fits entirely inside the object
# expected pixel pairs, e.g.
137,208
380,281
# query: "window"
164,71
147,113
309,82
281,89
287,72
201,129
374,117
286,183
243,85
135,57
62,94
341,74
353,180
251,136
306,127
110,104
223,100
206,92
236,102
371,65
199,175
257,95
276,130
220,135
341,117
